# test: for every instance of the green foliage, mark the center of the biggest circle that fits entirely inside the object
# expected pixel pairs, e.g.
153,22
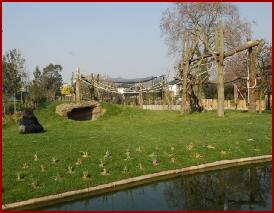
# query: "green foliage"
13,74
191,139
52,80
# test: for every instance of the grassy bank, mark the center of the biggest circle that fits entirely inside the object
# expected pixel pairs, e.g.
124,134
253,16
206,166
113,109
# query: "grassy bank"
134,137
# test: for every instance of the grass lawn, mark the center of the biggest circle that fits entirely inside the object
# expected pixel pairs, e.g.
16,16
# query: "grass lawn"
145,135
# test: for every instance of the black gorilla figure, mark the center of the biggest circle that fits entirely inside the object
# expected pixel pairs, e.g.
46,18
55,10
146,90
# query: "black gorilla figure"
29,123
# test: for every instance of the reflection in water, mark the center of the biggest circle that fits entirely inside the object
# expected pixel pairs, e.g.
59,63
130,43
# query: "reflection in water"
246,188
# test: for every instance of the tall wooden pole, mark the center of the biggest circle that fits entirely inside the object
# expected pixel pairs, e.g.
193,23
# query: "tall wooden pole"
235,95
141,95
77,85
219,46
252,57
185,70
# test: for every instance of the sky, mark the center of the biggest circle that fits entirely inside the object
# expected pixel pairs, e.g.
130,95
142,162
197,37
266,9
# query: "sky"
114,39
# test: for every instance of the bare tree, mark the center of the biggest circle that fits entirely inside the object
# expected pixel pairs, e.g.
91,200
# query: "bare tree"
201,20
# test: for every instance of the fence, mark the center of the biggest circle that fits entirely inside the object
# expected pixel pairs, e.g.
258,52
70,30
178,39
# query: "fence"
211,104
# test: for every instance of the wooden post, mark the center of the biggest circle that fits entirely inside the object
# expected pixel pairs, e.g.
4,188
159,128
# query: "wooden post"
184,70
141,95
219,46
235,96
14,103
252,57
77,85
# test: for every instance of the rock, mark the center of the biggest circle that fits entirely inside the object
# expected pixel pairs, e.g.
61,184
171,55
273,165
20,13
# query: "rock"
88,110
29,123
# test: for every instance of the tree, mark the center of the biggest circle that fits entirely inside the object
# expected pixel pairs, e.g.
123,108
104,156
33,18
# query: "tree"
36,90
13,72
201,20
52,81
264,71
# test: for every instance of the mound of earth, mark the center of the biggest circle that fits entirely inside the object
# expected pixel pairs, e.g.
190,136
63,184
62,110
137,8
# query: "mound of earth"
88,110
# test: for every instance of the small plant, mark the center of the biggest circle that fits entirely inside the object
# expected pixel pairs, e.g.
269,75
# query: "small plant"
140,166
42,167
138,149
223,152
125,170
107,154
78,162
54,160
189,147
101,165
155,162
85,175
104,172
35,157
127,155
35,185
152,155
197,155
172,160
57,178
85,154
70,170
169,155
20,176
210,146
25,166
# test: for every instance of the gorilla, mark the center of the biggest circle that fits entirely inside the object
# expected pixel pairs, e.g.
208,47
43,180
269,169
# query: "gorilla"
29,123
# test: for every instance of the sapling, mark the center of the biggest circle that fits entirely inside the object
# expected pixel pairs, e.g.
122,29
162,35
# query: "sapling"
25,166
19,176
70,170
42,167
104,172
54,160
85,175
35,157
78,162
101,165
85,154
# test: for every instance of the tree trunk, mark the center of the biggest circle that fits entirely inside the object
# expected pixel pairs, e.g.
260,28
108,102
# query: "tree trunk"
185,70
220,68
252,80
14,103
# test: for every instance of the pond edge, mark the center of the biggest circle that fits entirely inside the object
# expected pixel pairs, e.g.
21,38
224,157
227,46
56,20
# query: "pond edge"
130,182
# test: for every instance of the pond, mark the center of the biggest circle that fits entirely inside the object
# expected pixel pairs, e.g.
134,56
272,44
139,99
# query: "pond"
236,188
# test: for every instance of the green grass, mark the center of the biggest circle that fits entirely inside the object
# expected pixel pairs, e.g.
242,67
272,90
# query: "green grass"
236,135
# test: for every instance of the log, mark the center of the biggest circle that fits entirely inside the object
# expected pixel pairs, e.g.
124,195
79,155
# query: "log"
185,62
220,68
243,47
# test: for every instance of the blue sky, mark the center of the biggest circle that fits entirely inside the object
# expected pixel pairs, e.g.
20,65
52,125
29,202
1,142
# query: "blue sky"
118,39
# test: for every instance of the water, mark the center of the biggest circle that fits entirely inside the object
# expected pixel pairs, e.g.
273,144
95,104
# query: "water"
238,188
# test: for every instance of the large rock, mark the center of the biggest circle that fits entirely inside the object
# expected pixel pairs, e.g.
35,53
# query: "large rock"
29,123
88,110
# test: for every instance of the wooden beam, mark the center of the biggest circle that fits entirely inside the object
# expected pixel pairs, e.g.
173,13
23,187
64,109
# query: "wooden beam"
229,53
77,85
251,80
185,70
219,47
